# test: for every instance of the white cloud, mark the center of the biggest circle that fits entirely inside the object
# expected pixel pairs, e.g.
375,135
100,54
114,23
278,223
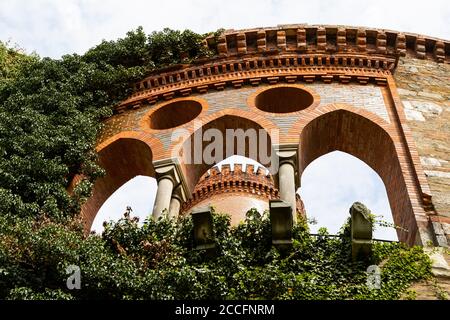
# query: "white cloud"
53,27
138,193
331,184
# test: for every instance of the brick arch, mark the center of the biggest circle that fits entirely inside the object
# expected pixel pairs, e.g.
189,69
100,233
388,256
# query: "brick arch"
222,120
258,119
153,143
315,112
261,120
361,136
122,158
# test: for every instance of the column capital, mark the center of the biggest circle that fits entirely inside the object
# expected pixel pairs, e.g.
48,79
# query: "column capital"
171,169
287,153
167,172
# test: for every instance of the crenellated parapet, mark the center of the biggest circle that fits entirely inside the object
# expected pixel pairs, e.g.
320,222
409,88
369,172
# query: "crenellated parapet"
224,181
331,39
217,181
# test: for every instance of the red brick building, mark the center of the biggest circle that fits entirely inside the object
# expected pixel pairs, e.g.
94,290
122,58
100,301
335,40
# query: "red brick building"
379,95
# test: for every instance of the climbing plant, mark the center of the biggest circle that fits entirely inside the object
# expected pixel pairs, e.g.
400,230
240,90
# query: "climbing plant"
50,112
157,260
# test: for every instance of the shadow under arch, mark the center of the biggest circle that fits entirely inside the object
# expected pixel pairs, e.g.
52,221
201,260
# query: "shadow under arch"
354,134
123,159
251,141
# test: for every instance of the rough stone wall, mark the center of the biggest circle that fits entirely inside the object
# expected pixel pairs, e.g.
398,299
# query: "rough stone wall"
438,286
424,88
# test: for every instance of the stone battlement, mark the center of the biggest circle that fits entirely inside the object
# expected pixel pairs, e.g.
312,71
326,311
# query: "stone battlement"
330,39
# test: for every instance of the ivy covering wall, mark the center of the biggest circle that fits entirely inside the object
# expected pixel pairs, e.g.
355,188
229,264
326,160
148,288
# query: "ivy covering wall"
50,112
158,261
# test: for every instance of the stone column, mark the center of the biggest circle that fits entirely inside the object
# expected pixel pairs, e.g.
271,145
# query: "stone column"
167,178
163,196
286,178
175,202
174,208
287,175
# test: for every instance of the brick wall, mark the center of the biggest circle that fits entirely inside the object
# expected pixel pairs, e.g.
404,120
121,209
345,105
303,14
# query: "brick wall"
234,191
384,147
356,108
369,97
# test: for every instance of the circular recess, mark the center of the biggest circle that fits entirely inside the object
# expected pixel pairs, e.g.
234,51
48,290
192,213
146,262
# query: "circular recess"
283,100
175,114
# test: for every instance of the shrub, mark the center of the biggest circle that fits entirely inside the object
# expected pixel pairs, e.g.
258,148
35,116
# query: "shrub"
157,261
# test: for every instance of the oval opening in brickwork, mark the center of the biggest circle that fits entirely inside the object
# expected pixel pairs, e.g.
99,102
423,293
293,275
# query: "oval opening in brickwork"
175,114
283,100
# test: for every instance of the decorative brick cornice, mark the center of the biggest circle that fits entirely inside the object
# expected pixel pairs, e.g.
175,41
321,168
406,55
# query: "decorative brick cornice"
343,68
289,53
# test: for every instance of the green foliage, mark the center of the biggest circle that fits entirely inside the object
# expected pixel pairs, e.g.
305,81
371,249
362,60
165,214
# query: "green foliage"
24,293
50,112
173,47
157,261
11,58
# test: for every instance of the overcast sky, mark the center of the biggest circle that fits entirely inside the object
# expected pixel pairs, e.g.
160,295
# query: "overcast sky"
55,27
331,183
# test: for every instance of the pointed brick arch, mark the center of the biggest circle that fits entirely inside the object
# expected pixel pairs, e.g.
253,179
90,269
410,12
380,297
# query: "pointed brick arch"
222,120
315,112
361,136
122,158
